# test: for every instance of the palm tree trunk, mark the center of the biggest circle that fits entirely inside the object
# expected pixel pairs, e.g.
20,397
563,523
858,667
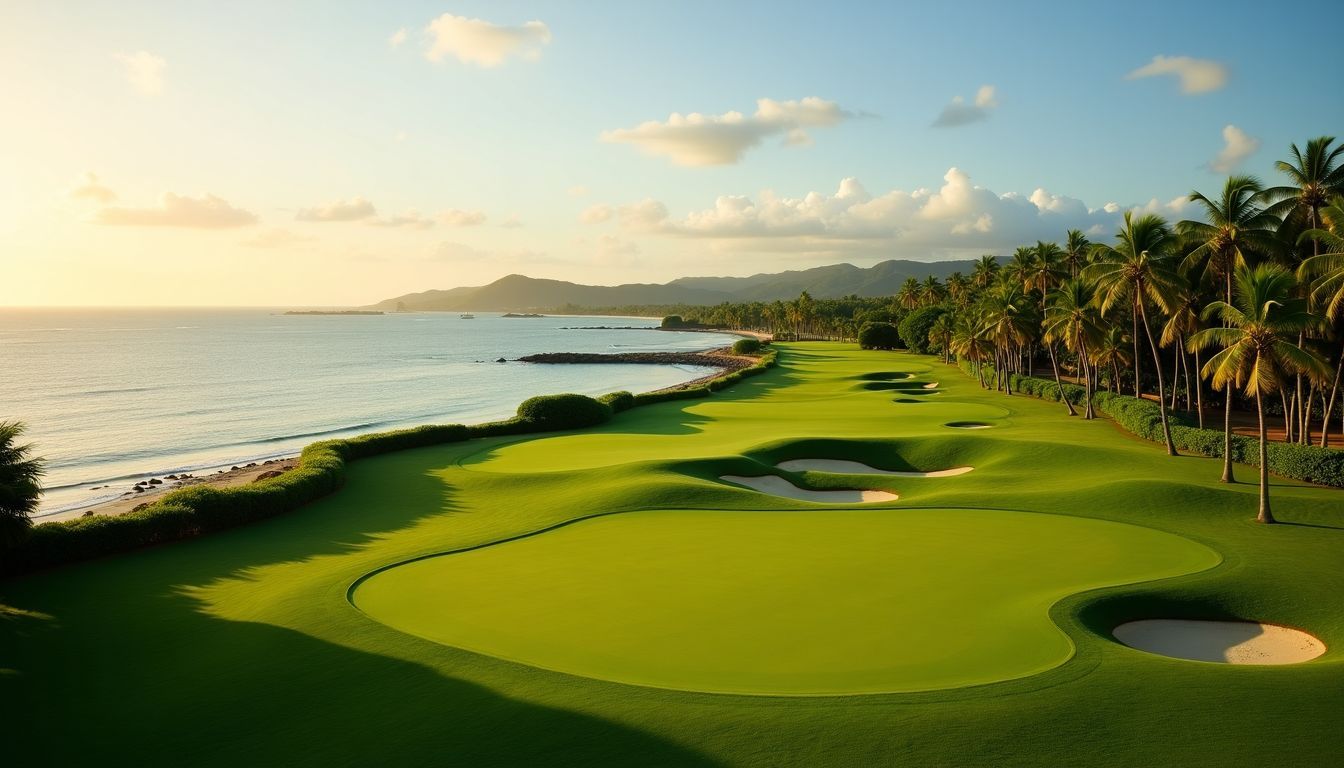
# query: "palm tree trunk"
1228,477
1138,302
1161,390
1265,515
1199,392
1175,379
1064,398
1287,417
1334,389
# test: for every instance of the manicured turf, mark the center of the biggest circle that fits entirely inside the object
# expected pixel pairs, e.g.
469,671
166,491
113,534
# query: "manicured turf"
781,603
244,647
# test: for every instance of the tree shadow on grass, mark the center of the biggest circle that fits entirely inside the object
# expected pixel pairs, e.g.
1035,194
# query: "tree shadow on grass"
117,662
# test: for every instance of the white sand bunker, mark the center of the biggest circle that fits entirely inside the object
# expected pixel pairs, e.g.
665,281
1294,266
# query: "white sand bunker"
1229,642
931,385
841,467
778,486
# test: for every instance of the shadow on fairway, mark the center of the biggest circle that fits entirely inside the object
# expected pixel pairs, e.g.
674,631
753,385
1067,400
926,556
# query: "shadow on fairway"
215,691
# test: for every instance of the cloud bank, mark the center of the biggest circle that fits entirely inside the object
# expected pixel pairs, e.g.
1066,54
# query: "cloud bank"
206,212
89,188
1237,146
958,112
454,217
479,42
699,140
1195,75
354,209
144,71
956,220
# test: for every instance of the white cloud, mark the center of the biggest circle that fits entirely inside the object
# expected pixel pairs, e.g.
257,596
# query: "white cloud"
397,38
1237,146
958,219
144,71
513,221
577,191
89,188
410,220
959,112
277,238
597,214
1196,75
697,139
476,41
354,209
454,217
206,212
462,253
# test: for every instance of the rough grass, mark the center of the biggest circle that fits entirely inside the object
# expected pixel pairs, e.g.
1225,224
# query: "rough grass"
242,647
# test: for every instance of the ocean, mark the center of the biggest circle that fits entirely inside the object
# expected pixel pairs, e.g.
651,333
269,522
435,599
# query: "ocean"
112,396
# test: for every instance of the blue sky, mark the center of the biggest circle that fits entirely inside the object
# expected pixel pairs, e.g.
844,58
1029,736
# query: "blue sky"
301,143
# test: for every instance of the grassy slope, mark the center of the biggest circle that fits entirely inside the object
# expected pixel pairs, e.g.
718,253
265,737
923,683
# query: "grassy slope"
243,647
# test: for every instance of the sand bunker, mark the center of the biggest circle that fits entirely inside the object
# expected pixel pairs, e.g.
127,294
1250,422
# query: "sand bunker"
841,467
1228,642
931,385
778,486
967,425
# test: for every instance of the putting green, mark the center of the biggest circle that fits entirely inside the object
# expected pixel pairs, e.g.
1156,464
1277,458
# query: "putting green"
826,602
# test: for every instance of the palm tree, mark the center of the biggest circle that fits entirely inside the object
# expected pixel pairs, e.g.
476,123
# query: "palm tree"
1325,271
1021,268
1138,268
1076,250
930,291
1238,226
1257,345
1182,322
1316,176
1009,322
1113,351
20,473
940,335
908,296
986,269
1072,318
958,288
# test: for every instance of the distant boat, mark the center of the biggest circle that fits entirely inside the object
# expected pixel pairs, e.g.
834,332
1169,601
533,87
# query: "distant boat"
466,316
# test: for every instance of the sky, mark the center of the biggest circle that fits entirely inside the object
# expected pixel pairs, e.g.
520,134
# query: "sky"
332,154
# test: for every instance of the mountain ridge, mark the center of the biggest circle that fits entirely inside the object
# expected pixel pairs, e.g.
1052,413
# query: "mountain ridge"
515,292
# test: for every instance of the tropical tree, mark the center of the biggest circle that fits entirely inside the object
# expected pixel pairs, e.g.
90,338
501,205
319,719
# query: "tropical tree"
1113,352
908,296
1009,322
1138,268
1324,275
930,291
985,271
1315,176
1072,318
940,335
1076,250
20,475
958,288
1238,226
1258,349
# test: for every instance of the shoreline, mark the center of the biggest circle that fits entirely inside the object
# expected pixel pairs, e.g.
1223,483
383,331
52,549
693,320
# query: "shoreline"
235,475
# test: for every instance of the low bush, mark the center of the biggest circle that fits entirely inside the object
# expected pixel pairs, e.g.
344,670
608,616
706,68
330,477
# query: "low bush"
567,411
746,346
914,329
1143,417
618,401
879,336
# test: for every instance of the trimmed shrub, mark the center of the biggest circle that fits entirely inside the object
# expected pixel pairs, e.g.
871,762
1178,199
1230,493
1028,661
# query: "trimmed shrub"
746,346
1143,417
618,401
673,321
567,411
914,329
691,393
879,336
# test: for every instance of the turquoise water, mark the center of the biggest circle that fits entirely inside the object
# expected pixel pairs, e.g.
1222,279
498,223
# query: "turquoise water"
112,396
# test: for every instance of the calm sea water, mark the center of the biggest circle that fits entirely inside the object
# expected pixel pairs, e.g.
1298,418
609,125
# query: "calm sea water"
112,396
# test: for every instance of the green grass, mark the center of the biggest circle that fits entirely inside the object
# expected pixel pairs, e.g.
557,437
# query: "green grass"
778,603
244,647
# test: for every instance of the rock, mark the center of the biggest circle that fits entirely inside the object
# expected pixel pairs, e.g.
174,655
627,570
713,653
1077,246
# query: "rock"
88,513
172,477
267,475
139,507
234,468
253,464
501,360
155,481
138,489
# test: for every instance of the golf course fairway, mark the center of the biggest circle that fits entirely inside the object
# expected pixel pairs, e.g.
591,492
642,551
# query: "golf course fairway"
602,597
778,603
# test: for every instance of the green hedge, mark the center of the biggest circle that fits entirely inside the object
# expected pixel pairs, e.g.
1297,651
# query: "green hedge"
1311,463
198,510
567,411
878,335
746,346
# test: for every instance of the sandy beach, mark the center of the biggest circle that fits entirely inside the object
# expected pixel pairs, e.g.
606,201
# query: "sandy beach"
151,492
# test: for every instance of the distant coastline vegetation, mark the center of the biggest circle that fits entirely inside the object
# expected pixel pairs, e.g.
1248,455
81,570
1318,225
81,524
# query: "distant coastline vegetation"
334,312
